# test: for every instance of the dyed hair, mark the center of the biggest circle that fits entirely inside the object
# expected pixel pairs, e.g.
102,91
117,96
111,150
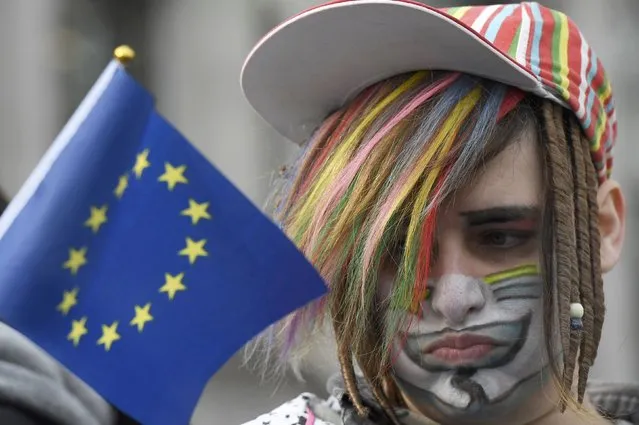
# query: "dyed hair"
366,190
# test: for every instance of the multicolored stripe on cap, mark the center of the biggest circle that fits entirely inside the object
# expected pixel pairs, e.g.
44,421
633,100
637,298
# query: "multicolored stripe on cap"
551,47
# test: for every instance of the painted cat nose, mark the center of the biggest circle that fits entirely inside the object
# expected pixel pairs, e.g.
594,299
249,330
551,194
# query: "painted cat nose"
456,297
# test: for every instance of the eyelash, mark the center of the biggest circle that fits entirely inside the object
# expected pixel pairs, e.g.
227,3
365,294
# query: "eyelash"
521,237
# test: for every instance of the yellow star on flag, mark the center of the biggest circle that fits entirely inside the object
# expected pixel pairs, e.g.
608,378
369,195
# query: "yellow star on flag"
142,315
109,335
173,284
196,211
77,259
173,175
97,219
141,163
194,249
123,183
78,330
69,299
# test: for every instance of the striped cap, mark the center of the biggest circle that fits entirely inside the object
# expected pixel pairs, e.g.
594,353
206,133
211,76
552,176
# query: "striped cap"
315,61
550,46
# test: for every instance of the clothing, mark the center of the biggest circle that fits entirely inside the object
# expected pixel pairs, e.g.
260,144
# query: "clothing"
618,402
35,389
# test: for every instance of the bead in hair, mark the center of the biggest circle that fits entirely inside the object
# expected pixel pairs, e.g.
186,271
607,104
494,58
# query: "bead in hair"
576,314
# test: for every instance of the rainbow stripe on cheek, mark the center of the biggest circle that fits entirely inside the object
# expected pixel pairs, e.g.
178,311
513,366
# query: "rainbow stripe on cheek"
491,279
519,271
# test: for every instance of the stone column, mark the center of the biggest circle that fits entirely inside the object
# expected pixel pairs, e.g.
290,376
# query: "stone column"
29,118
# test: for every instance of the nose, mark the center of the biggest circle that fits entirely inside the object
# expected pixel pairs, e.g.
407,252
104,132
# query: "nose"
457,296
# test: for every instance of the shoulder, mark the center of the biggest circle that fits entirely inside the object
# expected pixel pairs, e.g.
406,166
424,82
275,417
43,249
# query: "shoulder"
619,401
33,384
15,415
305,409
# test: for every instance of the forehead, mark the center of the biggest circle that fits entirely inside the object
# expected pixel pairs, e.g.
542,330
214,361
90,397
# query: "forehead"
513,177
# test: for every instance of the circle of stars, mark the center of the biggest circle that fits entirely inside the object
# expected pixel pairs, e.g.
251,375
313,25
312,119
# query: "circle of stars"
173,283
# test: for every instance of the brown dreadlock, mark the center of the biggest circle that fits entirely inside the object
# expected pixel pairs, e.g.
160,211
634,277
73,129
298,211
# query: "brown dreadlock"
575,270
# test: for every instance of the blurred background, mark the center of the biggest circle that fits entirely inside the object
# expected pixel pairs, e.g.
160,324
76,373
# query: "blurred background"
189,55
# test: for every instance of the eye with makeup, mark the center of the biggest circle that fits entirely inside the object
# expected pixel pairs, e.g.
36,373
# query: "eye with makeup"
500,239
503,233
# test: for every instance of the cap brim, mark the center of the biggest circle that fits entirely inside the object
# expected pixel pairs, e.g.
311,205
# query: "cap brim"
316,61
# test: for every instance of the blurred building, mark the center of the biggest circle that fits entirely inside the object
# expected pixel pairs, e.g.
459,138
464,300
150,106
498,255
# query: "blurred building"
189,55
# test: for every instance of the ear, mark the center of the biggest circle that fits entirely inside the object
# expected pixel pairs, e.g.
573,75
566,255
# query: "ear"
612,223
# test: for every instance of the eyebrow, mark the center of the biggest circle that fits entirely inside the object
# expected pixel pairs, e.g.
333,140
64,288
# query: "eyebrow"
503,214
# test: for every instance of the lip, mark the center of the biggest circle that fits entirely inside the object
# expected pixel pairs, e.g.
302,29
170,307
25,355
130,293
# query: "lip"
460,349
460,342
488,345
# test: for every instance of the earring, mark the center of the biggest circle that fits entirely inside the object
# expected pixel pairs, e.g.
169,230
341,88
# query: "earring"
576,313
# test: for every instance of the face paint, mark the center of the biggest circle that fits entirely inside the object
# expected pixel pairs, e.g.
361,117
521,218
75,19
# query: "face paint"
478,346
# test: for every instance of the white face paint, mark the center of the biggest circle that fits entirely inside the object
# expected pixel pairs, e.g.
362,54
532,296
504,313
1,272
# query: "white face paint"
477,354
478,348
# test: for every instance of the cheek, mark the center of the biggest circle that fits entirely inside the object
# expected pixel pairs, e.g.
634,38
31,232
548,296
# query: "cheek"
407,370
516,308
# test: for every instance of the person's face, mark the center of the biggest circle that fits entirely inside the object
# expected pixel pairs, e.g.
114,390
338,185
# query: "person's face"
477,348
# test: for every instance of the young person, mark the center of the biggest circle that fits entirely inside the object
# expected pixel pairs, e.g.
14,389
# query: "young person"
454,189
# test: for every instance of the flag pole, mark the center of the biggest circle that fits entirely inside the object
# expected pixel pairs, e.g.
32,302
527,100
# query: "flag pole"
124,54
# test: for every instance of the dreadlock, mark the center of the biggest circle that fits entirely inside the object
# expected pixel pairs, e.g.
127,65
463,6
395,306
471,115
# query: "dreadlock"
572,262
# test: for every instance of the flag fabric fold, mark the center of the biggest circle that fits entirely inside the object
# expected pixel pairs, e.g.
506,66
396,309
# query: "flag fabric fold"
133,261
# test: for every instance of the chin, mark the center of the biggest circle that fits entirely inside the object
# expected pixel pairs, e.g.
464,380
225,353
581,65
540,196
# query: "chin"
512,408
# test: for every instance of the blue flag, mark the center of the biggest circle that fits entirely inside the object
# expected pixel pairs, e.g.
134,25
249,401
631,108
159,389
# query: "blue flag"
129,258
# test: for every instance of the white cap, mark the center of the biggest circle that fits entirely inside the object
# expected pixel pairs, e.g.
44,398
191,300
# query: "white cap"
314,62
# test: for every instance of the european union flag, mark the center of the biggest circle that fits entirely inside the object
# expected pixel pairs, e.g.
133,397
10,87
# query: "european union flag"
135,263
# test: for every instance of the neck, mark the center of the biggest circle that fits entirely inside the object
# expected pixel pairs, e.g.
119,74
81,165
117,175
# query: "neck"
587,416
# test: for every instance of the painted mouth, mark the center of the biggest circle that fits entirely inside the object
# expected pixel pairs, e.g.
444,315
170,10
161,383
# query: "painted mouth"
458,350
486,346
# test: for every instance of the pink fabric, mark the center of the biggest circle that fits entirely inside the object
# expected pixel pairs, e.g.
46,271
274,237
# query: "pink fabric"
311,416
